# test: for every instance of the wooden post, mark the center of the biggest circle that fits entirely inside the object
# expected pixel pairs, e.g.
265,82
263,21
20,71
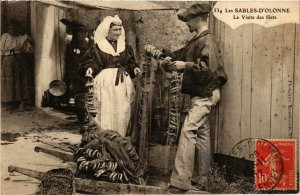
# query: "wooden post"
66,156
98,187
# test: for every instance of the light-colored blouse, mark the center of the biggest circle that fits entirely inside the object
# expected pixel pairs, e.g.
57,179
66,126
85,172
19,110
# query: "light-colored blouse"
18,44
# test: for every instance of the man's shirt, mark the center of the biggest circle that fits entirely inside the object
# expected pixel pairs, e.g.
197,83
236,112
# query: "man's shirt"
205,66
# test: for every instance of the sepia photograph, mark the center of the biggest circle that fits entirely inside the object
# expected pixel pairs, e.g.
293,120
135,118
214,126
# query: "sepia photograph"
149,97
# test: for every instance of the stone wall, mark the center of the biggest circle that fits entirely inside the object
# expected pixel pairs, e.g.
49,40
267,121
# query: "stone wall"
160,28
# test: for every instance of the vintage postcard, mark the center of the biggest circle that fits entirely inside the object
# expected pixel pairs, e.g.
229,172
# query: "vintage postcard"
150,97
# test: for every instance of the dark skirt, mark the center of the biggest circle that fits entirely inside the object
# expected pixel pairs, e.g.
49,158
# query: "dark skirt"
16,80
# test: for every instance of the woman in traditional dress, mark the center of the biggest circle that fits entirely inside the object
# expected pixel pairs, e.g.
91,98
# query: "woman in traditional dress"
114,66
16,70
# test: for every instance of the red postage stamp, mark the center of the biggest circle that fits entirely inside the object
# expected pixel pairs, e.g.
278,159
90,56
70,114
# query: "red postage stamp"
275,164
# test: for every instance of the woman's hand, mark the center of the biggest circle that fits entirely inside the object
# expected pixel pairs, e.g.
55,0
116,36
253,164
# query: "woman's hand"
137,71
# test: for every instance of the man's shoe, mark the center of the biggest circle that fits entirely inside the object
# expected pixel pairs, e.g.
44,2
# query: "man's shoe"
175,190
199,187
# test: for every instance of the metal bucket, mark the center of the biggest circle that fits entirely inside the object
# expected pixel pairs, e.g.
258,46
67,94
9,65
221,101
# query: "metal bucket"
57,88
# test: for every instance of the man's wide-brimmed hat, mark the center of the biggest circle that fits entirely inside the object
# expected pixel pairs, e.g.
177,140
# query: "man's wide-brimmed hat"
74,26
195,10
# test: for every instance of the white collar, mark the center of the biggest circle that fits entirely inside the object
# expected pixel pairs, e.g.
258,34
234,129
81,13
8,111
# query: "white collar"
106,47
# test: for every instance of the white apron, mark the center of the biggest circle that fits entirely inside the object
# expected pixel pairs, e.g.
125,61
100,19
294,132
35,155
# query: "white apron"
112,102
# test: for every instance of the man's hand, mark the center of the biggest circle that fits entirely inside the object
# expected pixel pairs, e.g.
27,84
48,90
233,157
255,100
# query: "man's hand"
166,64
137,71
167,60
178,65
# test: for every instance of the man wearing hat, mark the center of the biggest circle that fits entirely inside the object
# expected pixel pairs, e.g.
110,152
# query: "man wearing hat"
203,74
75,49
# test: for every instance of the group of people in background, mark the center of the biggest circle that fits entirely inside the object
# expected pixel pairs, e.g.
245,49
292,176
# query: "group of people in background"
111,61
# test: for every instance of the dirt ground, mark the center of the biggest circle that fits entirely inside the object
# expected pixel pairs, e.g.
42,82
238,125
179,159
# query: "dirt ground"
37,120
20,133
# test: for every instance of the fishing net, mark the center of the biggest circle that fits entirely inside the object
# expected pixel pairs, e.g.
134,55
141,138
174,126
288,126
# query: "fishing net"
109,157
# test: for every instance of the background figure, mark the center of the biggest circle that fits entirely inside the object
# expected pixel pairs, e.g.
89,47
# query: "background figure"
16,67
78,43
114,65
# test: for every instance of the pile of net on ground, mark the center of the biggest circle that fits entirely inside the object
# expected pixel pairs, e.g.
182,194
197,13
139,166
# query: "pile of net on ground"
108,157
58,182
